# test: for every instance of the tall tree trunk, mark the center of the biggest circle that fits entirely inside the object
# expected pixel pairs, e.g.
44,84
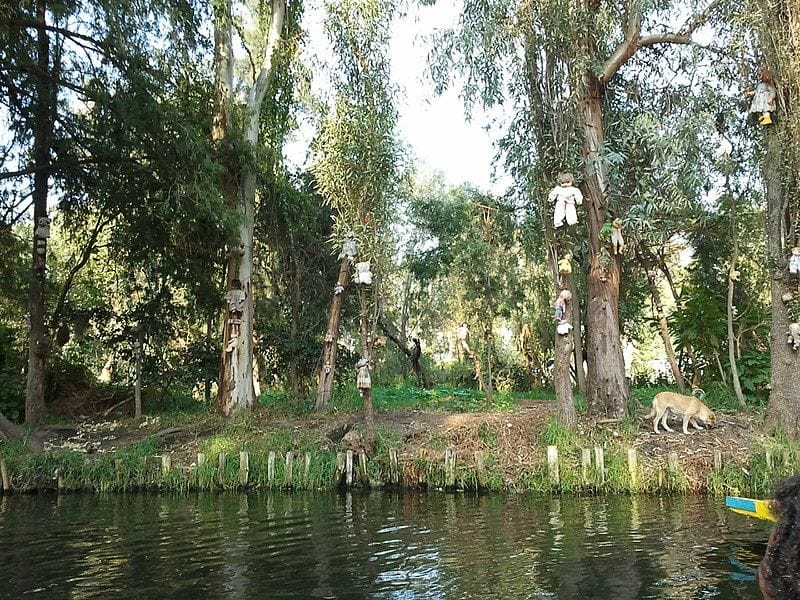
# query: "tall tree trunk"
367,335
606,385
294,329
783,408
737,384
655,295
39,341
562,381
577,336
236,390
331,342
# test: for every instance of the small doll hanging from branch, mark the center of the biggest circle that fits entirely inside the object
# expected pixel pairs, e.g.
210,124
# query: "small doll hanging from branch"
794,262
617,242
565,196
763,102
561,303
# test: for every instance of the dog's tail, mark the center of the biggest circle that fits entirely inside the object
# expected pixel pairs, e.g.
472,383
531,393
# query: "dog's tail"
699,394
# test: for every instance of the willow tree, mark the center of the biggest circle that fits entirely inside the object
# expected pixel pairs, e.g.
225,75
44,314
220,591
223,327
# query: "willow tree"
778,28
356,165
236,131
581,45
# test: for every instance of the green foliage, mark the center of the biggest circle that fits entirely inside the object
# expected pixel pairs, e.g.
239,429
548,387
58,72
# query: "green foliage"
556,434
12,394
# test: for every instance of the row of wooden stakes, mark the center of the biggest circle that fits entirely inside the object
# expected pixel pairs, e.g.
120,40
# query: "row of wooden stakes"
351,468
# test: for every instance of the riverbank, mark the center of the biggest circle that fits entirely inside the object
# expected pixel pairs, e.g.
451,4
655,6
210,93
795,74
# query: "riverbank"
518,449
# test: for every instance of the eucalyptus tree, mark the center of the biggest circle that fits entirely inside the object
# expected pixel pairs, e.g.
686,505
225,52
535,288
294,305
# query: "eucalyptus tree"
238,99
577,48
78,77
356,167
777,31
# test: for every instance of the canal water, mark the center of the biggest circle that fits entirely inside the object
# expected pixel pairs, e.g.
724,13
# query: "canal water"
375,545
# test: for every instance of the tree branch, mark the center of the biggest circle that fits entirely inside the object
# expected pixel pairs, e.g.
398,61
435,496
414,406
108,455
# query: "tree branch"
633,40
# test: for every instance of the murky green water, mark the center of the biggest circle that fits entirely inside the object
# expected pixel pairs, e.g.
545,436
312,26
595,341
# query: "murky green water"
377,545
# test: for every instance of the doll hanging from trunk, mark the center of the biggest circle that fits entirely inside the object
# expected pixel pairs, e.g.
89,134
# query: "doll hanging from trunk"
763,102
565,196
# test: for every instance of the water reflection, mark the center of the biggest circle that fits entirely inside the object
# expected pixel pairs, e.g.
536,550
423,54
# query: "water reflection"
376,545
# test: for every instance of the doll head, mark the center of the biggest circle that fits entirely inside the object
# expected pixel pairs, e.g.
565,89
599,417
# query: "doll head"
565,178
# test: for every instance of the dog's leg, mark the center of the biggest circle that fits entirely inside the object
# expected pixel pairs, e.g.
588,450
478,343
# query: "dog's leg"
694,422
664,420
655,420
686,419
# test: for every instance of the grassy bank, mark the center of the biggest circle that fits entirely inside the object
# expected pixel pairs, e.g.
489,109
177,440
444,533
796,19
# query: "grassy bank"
440,439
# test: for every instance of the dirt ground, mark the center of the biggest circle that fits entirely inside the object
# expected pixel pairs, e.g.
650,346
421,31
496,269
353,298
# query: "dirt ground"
515,437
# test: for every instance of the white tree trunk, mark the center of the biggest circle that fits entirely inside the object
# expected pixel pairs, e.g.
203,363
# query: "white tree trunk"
236,391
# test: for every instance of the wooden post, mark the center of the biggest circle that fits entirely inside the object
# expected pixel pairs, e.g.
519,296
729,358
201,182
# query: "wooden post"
340,467
362,466
4,475
166,464
348,469
552,465
586,465
450,467
600,464
717,460
59,477
768,460
633,467
201,460
221,469
394,467
307,467
244,468
118,471
480,468
271,467
288,471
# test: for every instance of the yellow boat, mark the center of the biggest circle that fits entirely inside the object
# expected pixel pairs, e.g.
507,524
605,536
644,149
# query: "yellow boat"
759,509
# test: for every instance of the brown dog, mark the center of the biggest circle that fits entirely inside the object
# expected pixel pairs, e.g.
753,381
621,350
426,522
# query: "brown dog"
666,403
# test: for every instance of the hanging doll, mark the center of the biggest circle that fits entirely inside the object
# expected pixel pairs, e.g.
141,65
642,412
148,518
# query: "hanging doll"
563,327
565,196
363,380
561,303
794,262
235,298
349,247
617,243
793,336
763,102
565,264
363,274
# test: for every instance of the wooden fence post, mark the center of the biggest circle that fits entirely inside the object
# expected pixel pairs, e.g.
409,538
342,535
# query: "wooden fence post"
600,463
307,468
271,467
4,475
552,465
450,467
717,461
289,468
244,468
480,468
586,465
166,464
348,469
341,461
394,466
